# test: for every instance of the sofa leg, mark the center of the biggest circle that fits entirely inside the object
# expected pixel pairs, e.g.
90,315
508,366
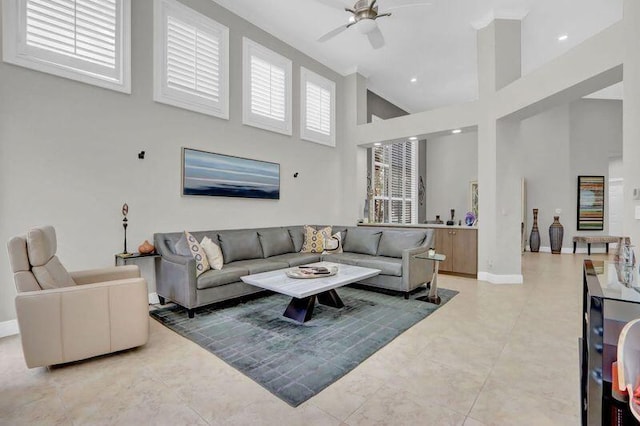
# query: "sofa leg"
191,313
406,295
161,299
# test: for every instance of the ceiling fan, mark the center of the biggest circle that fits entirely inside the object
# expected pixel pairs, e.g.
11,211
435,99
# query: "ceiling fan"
363,16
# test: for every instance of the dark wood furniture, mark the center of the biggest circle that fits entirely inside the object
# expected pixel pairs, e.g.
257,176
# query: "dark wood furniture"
611,298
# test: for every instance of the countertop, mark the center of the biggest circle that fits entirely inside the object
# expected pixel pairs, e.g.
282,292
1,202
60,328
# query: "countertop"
418,225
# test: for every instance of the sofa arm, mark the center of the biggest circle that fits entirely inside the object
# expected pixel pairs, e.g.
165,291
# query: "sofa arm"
176,279
105,274
73,323
415,271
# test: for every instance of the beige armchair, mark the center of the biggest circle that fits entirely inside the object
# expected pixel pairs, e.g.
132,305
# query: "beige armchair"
66,317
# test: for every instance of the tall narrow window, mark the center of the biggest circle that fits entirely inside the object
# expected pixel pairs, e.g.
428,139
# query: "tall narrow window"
394,184
266,88
318,104
83,40
191,60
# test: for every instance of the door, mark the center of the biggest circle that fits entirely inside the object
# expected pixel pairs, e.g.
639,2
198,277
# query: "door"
465,242
443,246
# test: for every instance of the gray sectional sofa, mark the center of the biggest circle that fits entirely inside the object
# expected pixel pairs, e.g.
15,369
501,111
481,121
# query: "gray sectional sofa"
251,251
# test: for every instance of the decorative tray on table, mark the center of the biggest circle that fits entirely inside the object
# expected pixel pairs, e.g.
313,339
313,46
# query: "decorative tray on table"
303,272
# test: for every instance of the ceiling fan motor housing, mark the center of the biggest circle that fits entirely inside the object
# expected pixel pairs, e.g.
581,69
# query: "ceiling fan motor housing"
363,10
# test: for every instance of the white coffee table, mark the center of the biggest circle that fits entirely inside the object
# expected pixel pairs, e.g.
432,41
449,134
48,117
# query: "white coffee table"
304,291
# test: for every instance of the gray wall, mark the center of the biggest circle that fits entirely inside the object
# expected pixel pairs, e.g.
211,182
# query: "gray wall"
380,107
557,146
68,156
452,163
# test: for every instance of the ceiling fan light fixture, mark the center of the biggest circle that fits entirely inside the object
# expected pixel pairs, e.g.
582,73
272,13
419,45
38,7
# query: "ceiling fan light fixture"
365,26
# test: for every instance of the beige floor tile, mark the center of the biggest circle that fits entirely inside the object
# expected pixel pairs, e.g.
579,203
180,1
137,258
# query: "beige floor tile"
504,404
45,411
390,406
472,422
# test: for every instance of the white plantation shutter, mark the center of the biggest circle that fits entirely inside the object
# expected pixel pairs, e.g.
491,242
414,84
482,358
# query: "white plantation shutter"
86,40
82,29
317,108
395,186
191,60
266,88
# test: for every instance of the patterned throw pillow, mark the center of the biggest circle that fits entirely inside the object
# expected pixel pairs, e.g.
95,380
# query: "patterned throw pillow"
333,244
202,264
314,239
213,252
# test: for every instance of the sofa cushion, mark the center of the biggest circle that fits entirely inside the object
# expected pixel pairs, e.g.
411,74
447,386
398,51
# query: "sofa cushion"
296,259
275,242
256,266
333,244
392,243
240,245
297,236
364,241
226,275
388,265
346,258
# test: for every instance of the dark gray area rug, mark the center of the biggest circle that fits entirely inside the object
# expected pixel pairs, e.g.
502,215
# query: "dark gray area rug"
297,361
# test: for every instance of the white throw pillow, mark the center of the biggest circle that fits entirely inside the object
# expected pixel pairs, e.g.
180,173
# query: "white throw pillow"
334,244
213,252
202,264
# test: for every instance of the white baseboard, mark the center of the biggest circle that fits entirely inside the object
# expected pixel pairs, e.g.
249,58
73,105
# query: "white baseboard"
564,250
153,298
500,279
8,328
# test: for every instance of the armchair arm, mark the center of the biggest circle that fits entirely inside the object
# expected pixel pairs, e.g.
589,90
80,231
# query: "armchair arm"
112,273
72,323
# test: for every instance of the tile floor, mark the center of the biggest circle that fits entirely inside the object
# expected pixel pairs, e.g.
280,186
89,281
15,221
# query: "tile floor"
495,355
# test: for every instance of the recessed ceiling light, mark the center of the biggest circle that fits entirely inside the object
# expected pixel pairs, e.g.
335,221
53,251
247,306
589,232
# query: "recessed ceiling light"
414,79
456,131
377,144
563,37
413,138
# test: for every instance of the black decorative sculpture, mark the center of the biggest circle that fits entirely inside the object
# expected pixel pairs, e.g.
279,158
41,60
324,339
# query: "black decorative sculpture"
125,211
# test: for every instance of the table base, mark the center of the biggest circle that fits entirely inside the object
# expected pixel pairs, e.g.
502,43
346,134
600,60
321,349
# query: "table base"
301,310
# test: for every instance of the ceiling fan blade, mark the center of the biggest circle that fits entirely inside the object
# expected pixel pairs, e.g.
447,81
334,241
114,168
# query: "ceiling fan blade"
333,33
376,38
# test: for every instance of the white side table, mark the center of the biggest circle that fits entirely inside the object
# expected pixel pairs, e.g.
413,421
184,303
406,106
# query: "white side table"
432,297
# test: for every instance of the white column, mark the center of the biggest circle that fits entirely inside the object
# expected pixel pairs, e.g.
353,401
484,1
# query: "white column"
498,179
631,119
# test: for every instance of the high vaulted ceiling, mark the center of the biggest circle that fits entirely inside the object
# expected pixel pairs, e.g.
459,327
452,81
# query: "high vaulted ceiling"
436,44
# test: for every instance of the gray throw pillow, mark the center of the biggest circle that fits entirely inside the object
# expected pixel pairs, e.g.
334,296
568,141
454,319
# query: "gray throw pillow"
182,246
240,245
275,242
297,236
364,241
393,243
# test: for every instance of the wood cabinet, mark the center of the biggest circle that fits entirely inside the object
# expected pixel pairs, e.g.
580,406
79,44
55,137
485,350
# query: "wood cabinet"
461,248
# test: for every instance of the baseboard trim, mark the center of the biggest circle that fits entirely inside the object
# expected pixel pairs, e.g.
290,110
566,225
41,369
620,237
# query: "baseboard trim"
9,328
500,279
564,250
153,299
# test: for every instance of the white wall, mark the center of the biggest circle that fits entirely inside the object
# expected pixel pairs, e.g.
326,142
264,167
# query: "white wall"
68,157
557,146
452,163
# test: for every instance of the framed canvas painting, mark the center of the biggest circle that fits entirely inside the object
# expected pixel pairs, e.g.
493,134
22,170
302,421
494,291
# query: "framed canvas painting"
209,174
590,203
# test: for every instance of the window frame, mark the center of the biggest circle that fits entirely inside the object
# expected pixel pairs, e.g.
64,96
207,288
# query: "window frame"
311,135
17,52
388,198
162,93
251,48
